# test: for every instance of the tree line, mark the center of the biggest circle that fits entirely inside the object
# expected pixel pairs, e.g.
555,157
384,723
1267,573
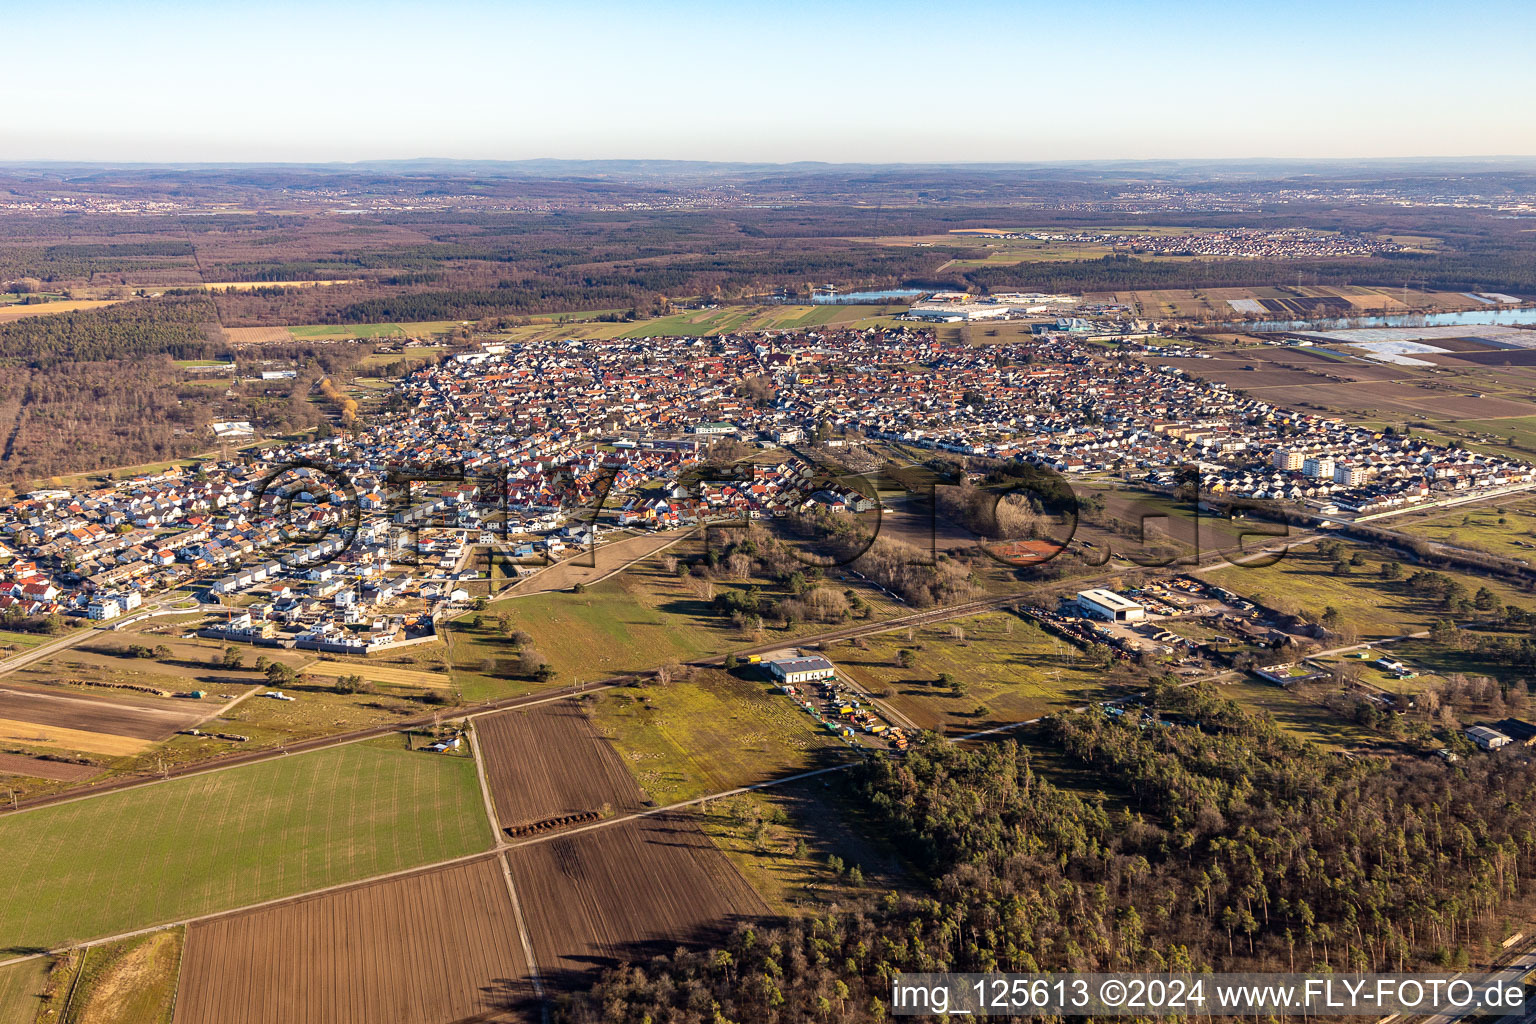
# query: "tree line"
1218,842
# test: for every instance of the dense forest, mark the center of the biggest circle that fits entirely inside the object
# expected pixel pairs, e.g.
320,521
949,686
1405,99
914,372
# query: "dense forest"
175,325
1219,843
93,390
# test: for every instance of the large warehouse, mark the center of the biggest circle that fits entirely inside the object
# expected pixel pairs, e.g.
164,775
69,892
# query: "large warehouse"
794,671
955,312
1106,604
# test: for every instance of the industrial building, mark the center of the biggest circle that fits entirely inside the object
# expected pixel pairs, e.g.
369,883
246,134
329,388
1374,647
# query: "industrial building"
1106,604
955,312
794,671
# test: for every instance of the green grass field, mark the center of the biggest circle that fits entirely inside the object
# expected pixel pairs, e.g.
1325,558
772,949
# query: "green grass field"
128,982
1017,675
21,987
633,622
1515,431
1296,714
385,358
1507,529
422,329
710,733
781,839
20,641
1375,608
177,849
702,323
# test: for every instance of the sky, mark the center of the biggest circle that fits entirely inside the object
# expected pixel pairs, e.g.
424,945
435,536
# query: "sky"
834,80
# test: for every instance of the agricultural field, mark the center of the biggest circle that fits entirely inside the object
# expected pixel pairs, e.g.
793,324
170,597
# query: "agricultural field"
625,892
335,332
246,286
1283,301
21,990
379,675
1002,252
104,665
703,323
709,733
1486,406
88,725
548,761
421,329
171,850
98,702
1371,607
1007,666
9,313
258,335
317,710
422,949
1517,431
38,768
709,322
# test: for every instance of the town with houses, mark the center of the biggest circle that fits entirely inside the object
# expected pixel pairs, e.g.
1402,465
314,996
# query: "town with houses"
542,448
1231,243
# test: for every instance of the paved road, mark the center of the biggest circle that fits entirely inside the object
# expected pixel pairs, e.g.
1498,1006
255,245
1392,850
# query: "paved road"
1510,971
169,604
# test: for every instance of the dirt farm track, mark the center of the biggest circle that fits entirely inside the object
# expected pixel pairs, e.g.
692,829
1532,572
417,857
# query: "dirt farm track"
424,949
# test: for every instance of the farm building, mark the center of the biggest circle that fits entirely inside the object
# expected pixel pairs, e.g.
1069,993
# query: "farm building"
1106,604
1518,731
793,671
1486,738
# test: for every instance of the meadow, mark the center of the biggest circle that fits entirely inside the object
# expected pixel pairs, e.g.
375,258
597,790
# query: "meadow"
631,622
709,733
1008,666
1507,529
1372,607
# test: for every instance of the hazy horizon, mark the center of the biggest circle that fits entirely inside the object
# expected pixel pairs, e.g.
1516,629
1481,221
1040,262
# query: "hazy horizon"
842,82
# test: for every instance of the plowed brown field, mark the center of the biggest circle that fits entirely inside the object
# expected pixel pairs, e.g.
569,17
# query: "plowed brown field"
37,768
625,892
424,949
548,761
87,714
